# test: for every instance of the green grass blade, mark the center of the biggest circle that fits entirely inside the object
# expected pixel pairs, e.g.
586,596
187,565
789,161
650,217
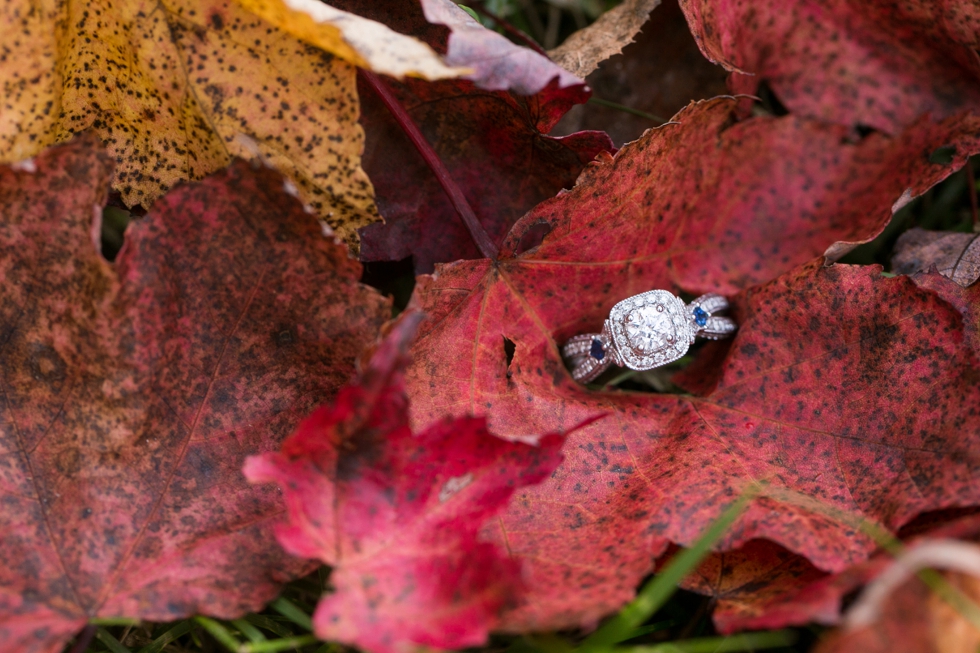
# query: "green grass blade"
219,632
180,629
656,592
110,641
959,601
740,642
251,632
652,628
274,626
276,645
291,611
114,621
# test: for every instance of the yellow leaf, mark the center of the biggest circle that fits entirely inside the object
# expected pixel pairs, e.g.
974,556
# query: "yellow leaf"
176,88
360,41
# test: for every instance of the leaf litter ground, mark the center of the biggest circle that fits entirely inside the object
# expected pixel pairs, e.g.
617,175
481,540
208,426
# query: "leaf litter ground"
888,327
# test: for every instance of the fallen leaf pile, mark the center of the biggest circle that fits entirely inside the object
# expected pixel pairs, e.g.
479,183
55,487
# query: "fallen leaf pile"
224,406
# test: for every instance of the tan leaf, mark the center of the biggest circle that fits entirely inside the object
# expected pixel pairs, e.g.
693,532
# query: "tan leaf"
954,255
898,613
175,89
359,41
582,52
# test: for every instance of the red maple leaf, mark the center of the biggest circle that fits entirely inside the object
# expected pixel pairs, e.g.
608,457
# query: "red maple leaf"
837,385
878,63
397,514
130,393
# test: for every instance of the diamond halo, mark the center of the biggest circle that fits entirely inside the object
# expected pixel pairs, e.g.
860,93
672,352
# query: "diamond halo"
650,329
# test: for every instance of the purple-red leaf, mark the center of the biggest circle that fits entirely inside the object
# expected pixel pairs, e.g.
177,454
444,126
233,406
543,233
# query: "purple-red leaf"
397,515
880,63
498,64
841,385
494,146
493,142
130,393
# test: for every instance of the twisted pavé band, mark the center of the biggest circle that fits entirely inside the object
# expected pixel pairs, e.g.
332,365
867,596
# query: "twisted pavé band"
646,331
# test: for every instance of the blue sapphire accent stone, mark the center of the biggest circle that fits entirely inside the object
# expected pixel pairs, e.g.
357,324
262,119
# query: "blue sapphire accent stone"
700,316
597,352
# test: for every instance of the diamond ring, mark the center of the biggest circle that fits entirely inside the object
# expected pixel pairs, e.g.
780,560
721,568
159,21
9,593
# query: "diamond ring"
646,331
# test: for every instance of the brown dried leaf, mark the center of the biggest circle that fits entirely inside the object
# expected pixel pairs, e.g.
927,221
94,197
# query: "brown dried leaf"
582,52
914,619
954,255
658,74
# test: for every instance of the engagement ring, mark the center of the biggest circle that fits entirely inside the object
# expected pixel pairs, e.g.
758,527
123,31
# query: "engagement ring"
646,331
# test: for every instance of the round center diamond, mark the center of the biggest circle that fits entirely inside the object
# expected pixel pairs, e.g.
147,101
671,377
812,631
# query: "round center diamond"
649,328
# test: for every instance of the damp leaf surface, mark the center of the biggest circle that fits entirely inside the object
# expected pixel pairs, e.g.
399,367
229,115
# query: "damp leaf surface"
131,392
397,514
838,385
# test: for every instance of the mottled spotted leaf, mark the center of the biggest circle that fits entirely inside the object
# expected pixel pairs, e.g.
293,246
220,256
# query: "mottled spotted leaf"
879,63
131,393
176,89
398,514
842,385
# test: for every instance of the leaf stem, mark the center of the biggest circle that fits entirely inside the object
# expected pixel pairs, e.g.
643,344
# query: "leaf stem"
622,107
971,189
449,186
